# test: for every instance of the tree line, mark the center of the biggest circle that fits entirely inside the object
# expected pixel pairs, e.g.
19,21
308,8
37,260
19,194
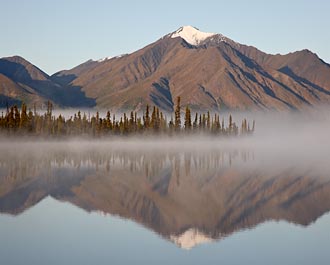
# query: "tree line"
153,121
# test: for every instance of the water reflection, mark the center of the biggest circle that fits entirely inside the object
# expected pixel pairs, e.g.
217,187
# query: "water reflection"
186,196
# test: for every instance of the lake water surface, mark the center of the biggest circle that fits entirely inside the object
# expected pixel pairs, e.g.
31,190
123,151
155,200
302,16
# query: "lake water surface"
259,200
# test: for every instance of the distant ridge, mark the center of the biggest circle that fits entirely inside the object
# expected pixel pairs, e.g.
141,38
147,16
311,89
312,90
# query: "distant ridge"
21,81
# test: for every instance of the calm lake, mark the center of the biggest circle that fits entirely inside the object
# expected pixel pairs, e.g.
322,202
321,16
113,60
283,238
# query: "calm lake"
258,200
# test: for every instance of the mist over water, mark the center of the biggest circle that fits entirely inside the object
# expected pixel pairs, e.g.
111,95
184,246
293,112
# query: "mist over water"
280,140
196,192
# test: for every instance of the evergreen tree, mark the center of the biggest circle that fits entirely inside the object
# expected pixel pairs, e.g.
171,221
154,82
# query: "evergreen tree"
132,122
157,121
24,121
10,118
208,120
60,126
17,117
230,124
177,114
153,118
203,121
187,120
147,118
108,121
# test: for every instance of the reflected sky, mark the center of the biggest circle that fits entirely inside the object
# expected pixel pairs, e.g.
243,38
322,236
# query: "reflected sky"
58,233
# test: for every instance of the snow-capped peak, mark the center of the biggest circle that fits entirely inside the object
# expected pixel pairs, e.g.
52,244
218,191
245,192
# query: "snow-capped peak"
192,35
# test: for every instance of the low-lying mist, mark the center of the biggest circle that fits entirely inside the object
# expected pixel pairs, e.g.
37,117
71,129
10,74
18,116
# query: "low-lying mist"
281,140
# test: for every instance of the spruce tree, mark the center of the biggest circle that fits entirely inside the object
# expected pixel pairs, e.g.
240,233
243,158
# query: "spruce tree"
177,114
153,118
108,121
24,118
187,120
230,124
147,118
208,120
17,117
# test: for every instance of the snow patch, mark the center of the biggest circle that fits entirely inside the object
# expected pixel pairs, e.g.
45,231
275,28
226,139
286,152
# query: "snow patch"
102,213
192,35
110,57
190,239
104,59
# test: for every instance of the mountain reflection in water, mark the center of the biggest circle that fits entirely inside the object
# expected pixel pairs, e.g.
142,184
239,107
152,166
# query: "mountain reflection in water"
188,196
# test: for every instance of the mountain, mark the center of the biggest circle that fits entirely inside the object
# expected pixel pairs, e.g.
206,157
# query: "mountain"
21,81
208,70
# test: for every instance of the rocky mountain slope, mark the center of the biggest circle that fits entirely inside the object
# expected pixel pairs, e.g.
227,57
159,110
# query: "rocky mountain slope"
209,71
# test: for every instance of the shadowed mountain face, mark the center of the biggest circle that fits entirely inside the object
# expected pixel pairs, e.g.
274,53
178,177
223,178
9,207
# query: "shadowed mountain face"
20,81
209,71
65,77
187,197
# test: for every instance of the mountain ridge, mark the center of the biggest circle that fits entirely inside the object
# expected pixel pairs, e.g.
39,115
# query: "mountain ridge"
208,70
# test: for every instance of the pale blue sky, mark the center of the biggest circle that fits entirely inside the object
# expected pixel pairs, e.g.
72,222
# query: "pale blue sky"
56,35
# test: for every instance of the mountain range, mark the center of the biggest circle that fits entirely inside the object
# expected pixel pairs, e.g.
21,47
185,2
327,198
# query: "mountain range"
209,71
